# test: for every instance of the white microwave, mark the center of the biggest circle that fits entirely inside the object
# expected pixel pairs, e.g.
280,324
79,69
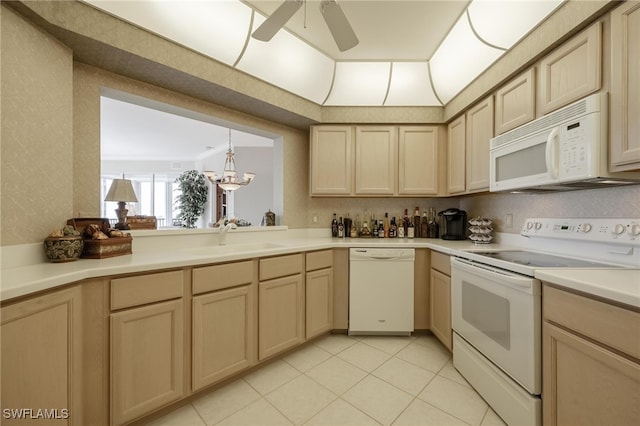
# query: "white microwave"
563,150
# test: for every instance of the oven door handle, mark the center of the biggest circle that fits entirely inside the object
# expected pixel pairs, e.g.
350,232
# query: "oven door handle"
490,272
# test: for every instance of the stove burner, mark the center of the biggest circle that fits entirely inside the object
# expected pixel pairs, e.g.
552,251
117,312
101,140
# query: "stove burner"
540,260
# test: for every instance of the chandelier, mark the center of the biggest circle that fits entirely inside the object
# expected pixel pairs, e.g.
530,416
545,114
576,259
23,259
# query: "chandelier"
229,180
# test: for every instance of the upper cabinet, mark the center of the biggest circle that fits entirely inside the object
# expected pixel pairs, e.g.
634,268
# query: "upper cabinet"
331,164
624,98
456,140
479,134
376,160
572,71
419,170
515,102
372,161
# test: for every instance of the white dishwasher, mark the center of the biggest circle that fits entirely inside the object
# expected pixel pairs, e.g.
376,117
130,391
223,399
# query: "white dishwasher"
381,291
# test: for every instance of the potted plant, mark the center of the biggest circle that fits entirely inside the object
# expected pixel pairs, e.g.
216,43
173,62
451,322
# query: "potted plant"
193,197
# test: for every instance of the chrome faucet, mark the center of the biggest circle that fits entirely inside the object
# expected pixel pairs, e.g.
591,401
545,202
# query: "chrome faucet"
223,232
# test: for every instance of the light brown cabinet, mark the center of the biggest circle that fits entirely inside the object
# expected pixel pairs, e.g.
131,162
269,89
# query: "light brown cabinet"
456,152
420,169
280,304
515,102
479,133
440,298
319,293
340,289
376,160
331,162
224,326
147,344
41,352
571,71
624,99
591,374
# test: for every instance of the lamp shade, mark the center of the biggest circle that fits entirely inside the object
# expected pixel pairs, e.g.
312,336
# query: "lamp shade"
121,190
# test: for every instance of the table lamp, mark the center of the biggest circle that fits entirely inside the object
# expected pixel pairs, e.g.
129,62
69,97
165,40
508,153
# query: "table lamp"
121,191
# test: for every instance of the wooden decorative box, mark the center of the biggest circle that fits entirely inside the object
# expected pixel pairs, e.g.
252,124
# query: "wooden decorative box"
142,222
100,249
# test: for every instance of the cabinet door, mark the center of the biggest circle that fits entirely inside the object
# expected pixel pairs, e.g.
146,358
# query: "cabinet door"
440,313
625,87
572,71
146,359
456,156
515,102
331,163
586,384
376,160
223,334
281,315
418,160
41,357
479,133
319,302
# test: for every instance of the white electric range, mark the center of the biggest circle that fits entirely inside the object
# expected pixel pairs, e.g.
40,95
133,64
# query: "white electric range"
496,304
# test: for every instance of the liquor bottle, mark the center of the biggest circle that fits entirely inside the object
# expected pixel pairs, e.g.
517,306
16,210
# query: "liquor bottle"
385,225
380,229
424,225
334,226
405,223
393,228
411,230
416,223
340,228
434,228
374,226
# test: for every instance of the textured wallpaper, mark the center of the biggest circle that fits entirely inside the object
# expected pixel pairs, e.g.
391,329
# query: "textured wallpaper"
37,143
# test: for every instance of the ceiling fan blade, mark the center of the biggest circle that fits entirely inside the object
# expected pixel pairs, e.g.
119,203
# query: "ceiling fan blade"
338,25
276,21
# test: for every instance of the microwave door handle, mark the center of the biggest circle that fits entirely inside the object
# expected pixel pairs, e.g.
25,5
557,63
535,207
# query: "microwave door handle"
551,153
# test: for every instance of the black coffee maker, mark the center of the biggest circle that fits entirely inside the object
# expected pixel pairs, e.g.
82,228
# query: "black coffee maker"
454,224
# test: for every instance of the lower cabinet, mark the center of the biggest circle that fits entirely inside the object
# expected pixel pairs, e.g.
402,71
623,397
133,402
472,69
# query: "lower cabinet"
440,298
223,334
40,351
281,315
146,359
147,344
591,373
319,293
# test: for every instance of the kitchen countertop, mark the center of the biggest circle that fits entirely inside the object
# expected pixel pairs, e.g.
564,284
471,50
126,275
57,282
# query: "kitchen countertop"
151,254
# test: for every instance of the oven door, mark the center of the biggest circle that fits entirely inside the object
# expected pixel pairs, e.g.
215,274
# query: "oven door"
498,313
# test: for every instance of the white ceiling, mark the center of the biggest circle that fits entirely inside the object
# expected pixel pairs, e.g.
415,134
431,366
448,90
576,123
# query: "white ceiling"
411,52
397,30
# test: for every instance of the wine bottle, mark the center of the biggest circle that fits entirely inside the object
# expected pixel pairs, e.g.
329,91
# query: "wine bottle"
393,229
405,223
424,225
380,229
340,228
334,226
411,231
416,223
385,225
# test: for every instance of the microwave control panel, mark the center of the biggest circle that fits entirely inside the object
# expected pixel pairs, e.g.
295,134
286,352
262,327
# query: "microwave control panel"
575,147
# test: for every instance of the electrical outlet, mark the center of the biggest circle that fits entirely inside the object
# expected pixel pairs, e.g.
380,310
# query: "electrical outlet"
315,218
508,220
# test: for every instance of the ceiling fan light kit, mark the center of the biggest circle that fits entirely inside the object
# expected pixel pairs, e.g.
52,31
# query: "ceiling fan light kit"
331,11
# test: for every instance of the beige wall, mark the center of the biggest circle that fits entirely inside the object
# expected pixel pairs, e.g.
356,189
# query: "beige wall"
37,143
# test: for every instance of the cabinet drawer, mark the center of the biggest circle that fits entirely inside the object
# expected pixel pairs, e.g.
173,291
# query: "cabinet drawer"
441,262
133,291
611,325
281,266
217,277
319,260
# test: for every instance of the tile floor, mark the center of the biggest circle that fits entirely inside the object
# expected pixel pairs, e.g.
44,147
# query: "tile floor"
345,380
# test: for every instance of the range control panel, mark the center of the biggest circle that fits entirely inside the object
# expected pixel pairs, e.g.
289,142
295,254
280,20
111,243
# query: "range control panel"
609,230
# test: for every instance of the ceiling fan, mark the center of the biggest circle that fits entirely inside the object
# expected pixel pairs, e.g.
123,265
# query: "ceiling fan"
331,11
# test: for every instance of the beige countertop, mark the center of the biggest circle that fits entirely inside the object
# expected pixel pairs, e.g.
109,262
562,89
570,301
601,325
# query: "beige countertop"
151,253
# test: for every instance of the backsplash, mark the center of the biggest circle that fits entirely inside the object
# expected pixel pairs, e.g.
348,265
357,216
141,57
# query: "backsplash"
606,202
